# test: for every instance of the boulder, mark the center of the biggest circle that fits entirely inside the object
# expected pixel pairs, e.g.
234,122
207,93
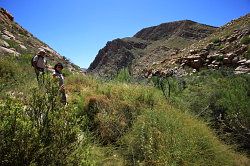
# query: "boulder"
241,50
203,54
5,37
4,43
232,38
247,63
22,46
242,62
230,55
227,61
7,14
242,70
192,52
7,33
8,51
213,56
196,64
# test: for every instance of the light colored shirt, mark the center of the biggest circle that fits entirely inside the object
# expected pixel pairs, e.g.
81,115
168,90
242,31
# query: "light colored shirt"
60,77
41,61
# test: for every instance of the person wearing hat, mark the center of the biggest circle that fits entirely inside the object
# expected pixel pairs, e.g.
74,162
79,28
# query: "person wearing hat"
58,75
39,63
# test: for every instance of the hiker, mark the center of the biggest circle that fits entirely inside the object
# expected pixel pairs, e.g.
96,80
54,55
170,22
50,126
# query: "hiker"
58,75
39,63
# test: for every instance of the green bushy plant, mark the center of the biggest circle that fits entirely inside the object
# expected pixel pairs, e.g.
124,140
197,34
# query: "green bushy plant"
123,75
44,132
167,138
245,40
8,74
223,100
215,40
247,53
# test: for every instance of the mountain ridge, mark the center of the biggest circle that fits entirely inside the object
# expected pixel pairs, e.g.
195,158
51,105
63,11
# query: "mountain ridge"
167,42
147,46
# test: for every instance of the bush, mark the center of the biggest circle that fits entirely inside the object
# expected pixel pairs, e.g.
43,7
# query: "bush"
123,75
168,138
108,121
8,74
247,53
44,132
245,40
223,100
216,40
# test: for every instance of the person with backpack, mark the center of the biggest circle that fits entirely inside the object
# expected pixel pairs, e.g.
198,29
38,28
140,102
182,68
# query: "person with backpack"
57,74
39,63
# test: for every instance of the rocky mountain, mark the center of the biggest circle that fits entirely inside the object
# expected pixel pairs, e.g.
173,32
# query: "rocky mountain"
228,46
16,41
148,46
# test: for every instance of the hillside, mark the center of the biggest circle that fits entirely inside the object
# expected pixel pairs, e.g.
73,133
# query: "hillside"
148,46
198,119
16,41
228,46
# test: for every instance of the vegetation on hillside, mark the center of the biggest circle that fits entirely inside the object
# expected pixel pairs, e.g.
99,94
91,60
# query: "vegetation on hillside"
108,122
221,98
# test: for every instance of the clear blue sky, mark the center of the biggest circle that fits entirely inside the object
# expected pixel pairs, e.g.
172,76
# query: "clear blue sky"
78,29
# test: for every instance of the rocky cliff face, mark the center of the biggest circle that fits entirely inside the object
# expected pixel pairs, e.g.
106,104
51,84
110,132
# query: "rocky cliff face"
186,29
15,41
148,46
229,47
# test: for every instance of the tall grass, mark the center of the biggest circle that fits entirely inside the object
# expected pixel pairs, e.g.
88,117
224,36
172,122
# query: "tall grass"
223,100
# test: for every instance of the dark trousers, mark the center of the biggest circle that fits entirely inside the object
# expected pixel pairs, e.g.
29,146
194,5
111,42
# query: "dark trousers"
39,75
63,97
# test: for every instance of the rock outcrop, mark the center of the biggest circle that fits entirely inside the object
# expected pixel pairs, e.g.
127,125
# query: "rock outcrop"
228,47
187,29
149,46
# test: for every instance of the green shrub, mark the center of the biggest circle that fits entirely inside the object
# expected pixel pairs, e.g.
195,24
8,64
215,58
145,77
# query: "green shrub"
107,120
44,132
13,44
245,40
8,74
247,53
168,138
123,75
215,40
223,100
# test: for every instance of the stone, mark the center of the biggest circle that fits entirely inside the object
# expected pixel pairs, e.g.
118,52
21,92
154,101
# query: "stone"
203,54
235,60
247,63
7,33
232,38
192,52
241,50
8,51
7,14
230,55
4,43
242,70
6,37
22,46
242,61
213,56
227,61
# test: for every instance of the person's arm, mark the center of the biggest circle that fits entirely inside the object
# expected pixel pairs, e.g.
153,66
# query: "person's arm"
34,61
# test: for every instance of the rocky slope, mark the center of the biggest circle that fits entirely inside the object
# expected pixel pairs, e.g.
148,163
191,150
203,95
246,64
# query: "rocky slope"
15,41
147,47
229,47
